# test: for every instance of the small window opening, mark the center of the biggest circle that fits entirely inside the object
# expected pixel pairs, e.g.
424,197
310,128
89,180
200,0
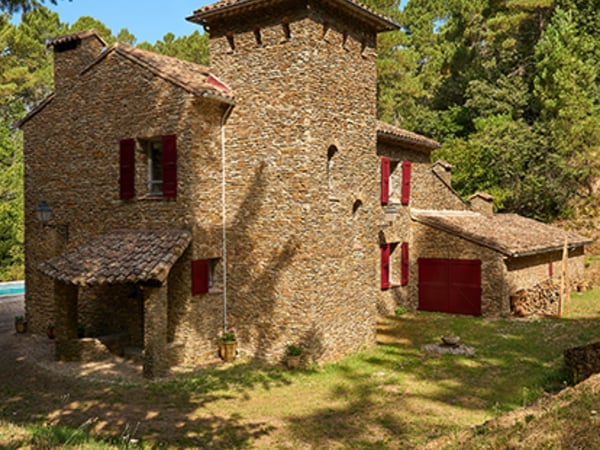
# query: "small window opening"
155,171
356,206
257,35
286,28
230,40
331,152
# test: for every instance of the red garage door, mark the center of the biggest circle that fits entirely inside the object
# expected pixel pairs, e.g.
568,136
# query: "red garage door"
450,285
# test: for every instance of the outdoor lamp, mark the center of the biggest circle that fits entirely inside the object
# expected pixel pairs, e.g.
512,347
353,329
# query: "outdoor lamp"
44,214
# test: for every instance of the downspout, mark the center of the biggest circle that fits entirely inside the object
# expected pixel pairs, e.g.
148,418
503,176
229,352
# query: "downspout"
224,214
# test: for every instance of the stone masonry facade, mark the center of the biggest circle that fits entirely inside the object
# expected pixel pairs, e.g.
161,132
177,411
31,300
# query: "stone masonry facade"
299,143
277,186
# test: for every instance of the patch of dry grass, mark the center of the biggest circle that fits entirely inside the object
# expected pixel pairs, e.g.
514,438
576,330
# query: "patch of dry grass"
393,395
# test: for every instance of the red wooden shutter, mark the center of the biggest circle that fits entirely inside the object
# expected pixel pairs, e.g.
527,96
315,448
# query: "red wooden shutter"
127,169
406,169
385,266
200,268
169,165
385,180
404,264
550,269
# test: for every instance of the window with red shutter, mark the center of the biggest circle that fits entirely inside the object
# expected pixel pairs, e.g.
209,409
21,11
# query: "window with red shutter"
404,264
385,266
385,180
550,269
406,170
169,166
127,169
200,276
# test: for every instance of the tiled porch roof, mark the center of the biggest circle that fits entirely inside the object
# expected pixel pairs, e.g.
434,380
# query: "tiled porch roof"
509,234
353,7
120,256
385,131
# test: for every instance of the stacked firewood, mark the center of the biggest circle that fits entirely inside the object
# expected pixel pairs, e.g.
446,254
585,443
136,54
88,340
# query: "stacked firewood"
543,298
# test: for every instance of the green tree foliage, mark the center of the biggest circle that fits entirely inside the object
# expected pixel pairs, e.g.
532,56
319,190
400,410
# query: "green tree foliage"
193,47
13,6
511,89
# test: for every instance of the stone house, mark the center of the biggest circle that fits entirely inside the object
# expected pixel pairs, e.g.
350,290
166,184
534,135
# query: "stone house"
440,253
261,193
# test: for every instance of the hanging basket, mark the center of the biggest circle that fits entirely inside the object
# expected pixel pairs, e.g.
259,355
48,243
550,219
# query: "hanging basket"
227,350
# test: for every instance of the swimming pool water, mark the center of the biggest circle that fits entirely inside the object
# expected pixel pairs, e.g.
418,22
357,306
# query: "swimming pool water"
12,288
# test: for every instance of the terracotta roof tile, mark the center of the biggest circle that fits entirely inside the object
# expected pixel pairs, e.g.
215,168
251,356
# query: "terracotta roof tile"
194,78
76,36
390,132
510,234
379,21
120,256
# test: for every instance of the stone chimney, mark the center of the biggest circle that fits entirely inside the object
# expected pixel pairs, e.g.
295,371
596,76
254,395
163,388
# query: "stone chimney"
72,53
483,203
443,170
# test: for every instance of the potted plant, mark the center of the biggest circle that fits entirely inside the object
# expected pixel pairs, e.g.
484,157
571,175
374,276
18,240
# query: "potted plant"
20,324
51,330
227,344
293,355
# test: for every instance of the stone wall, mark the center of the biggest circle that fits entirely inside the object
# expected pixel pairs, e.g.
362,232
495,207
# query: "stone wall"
302,239
583,361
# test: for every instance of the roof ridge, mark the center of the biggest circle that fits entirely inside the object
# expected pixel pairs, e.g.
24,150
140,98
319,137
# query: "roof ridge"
73,36
200,15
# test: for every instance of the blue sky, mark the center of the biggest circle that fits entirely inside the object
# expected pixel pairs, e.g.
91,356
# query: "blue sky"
148,20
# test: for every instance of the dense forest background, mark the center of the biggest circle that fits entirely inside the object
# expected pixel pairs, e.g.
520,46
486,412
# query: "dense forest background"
511,88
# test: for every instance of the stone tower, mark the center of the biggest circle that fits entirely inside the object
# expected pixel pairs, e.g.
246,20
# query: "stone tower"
301,171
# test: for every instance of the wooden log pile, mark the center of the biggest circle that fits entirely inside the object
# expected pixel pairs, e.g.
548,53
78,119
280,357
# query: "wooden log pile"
543,299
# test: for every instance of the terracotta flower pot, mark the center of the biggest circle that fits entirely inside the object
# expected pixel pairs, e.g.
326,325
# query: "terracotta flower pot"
293,362
227,350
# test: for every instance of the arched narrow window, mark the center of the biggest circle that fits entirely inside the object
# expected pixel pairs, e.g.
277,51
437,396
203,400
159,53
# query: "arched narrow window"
331,158
356,207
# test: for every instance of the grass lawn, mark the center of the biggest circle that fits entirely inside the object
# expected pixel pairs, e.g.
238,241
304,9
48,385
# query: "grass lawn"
392,395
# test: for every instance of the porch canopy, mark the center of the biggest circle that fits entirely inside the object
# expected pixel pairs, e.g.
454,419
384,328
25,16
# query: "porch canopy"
121,256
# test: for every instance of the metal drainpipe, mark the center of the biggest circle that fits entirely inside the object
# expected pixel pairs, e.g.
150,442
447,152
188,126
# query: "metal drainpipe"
224,215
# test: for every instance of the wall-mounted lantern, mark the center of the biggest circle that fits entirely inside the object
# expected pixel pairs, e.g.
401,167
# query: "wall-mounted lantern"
44,214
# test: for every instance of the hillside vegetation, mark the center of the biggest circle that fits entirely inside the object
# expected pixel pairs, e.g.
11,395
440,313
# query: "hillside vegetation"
511,88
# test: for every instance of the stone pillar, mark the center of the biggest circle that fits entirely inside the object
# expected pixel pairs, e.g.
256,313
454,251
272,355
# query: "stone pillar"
65,303
155,331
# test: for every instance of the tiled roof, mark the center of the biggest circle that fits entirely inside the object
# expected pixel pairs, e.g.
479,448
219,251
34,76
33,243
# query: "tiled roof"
75,36
509,234
194,78
120,256
224,7
390,132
